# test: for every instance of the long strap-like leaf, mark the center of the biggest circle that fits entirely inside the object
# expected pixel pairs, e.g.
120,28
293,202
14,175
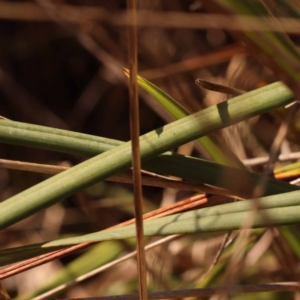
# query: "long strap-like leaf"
240,182
274,210
152,144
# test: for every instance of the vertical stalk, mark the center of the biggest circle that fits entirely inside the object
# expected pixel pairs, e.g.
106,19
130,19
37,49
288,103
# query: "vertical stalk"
136,159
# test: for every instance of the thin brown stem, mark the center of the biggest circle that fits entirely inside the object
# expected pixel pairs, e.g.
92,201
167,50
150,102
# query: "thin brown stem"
181,206
219,87
226,241
136,158
149,179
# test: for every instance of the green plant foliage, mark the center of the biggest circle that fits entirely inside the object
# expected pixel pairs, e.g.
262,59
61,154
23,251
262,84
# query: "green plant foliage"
276,210
152,144
185,167
177,111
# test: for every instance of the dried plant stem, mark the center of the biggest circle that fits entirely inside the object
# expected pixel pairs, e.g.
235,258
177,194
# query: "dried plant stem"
136,158
177,207
31,167
263,160
126,177
218,87
226,241
223,54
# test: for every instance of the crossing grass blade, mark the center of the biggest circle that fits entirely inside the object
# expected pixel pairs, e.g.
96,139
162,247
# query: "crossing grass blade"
276,210
240,182
177,111
152,144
